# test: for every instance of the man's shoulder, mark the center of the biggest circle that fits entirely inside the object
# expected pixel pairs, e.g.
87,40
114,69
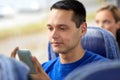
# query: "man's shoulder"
95,57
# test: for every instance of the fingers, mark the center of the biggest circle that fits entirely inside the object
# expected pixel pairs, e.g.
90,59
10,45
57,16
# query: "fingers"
41,74
37,64
39,77
35,77
13,53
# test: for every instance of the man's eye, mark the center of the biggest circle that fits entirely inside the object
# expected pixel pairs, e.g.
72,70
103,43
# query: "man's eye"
97,21
106,21
62,28
50,28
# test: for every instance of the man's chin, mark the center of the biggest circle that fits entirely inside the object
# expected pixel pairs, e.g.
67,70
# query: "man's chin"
56,50
59,51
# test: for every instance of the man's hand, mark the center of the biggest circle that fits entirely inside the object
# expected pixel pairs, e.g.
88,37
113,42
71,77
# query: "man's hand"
40,73
14,52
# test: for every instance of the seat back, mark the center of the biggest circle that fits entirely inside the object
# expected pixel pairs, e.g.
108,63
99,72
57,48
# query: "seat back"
11,69
102,42
96,71
97,40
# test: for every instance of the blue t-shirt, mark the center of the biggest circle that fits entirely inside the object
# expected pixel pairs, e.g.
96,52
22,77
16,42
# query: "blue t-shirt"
58,71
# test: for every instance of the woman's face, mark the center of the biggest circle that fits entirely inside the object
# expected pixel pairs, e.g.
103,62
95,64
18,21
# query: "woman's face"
106,20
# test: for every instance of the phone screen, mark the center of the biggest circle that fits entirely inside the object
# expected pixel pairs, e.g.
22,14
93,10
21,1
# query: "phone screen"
25,56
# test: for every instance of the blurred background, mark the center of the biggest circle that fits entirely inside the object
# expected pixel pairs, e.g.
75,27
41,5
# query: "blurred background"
23,24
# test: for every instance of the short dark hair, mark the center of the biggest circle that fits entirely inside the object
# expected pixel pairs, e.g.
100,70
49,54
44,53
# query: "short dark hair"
77,7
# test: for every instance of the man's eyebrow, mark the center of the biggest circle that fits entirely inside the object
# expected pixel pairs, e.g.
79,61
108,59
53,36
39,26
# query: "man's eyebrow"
62,25
57,25
48,25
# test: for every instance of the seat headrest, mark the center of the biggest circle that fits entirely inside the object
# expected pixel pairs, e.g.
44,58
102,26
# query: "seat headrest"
101,41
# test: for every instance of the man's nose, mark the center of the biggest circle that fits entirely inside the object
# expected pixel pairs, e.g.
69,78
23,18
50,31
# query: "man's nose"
54,34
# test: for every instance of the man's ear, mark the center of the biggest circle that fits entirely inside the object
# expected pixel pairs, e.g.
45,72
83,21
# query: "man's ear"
83,28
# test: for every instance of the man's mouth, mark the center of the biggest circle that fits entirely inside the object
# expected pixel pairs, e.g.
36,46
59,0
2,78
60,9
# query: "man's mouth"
56,43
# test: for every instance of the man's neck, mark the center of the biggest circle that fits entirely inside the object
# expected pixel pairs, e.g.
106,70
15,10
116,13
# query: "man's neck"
71,57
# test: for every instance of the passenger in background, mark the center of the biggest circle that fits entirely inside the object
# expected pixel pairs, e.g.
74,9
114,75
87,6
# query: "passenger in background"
108,17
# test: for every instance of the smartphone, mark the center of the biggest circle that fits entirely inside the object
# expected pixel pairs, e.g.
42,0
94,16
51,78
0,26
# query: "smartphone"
25,56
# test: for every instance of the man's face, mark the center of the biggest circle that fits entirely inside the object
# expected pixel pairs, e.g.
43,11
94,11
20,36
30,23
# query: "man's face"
63,34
